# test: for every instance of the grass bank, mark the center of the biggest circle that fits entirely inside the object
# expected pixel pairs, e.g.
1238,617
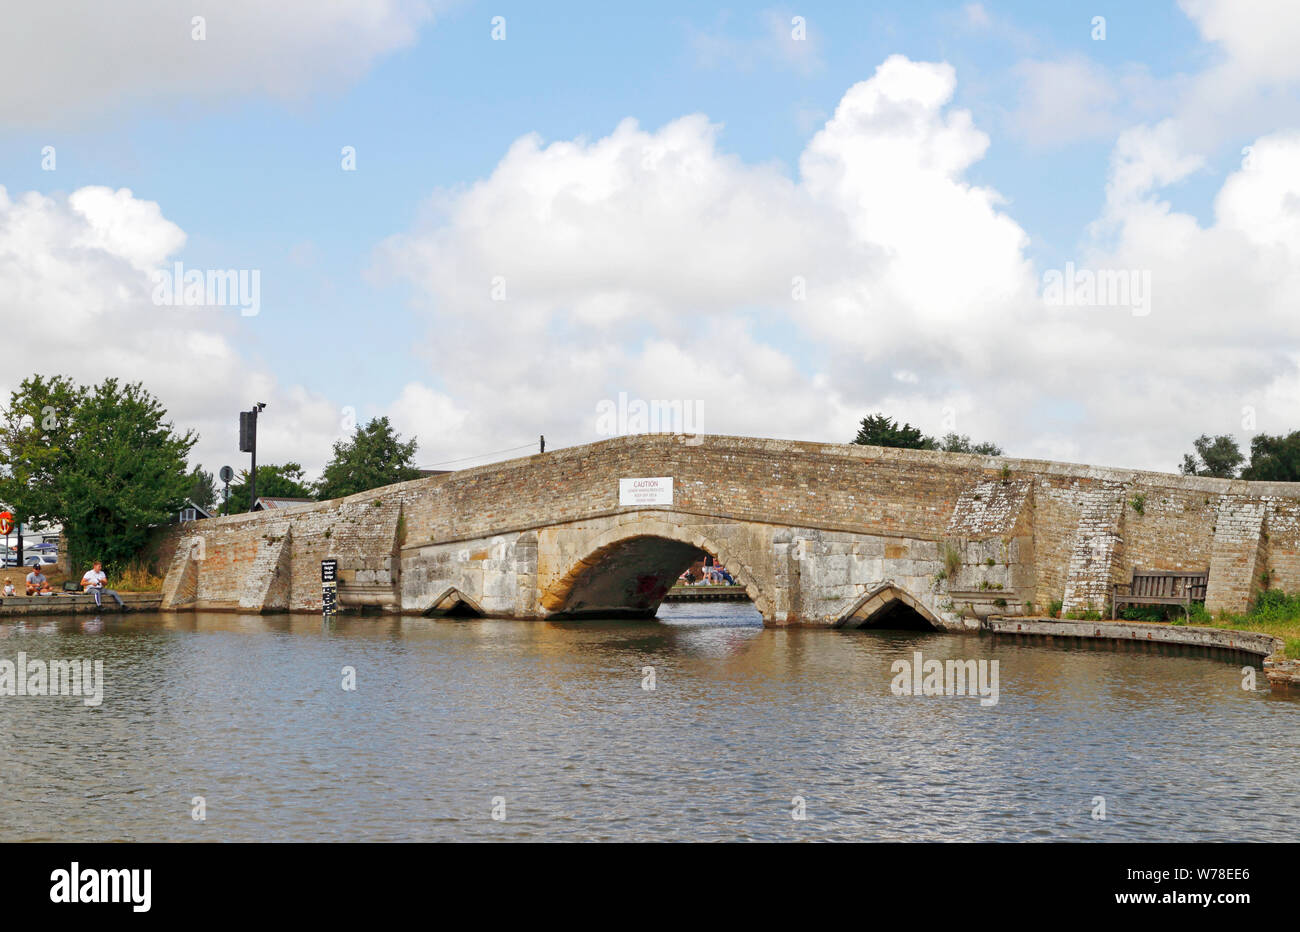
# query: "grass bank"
1274,612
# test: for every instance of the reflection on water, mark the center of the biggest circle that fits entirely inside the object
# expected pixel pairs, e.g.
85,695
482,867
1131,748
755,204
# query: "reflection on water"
248,712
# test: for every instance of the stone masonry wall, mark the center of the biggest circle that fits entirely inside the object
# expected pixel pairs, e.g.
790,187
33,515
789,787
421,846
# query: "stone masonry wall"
812,515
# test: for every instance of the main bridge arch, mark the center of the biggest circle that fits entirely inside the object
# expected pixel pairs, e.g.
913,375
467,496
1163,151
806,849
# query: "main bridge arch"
628,569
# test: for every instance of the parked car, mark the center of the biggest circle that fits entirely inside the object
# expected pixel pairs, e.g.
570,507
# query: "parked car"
44,559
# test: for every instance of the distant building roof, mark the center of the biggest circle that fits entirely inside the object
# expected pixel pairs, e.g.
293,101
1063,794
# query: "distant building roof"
192,512
264,503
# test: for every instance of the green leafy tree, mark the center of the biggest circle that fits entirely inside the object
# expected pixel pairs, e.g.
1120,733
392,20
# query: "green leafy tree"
103,462
375,456
203,489
954,443
1274,459
287,481
1219,457
879,430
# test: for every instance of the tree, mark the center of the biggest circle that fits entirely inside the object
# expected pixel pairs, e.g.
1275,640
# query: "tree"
1274,459
881,431
103,462
953,443
374,456
287,481
203,489
878,430
1218,456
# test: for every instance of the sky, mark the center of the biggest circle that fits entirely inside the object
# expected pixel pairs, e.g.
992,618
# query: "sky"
1069,229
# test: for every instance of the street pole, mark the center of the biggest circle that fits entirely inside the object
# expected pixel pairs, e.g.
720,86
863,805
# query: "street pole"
252,481
226,474
248,444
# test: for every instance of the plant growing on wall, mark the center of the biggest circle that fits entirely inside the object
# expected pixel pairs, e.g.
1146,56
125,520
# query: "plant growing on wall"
1139,503
951,559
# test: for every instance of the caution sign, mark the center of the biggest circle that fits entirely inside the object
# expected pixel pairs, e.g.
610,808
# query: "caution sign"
656,491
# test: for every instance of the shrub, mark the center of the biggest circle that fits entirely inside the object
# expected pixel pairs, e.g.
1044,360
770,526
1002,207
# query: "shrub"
1176,614
137,576
1275,605
951,560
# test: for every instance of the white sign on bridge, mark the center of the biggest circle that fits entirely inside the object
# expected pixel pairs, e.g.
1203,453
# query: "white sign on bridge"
646,491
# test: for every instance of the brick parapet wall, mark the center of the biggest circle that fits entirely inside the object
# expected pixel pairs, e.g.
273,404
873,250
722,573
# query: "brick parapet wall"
925,495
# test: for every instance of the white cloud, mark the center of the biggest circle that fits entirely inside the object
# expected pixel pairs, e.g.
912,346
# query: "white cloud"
656,264
1065,100
85,59
1145,159
1258,39
76,299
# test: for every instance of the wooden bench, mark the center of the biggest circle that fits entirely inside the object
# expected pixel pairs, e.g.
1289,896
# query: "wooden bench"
1160,587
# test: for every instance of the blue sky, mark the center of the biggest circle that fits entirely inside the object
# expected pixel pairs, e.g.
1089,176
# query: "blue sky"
252,175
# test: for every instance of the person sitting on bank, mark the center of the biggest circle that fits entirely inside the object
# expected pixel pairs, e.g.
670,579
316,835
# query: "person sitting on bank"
37,584
93,582
9,587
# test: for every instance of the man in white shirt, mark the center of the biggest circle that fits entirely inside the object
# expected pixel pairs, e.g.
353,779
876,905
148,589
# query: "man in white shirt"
93,582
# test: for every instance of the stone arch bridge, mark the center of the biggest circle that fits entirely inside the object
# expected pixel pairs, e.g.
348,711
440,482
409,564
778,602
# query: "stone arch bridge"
819,534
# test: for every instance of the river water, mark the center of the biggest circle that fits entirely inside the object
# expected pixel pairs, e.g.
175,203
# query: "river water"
549,724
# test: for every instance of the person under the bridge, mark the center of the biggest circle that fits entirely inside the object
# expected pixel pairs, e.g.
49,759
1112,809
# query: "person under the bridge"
93,582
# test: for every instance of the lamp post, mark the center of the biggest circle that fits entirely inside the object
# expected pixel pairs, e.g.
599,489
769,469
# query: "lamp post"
248,444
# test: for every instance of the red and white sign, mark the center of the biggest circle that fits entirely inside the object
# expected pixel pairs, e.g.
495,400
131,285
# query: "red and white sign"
646,491
6,522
